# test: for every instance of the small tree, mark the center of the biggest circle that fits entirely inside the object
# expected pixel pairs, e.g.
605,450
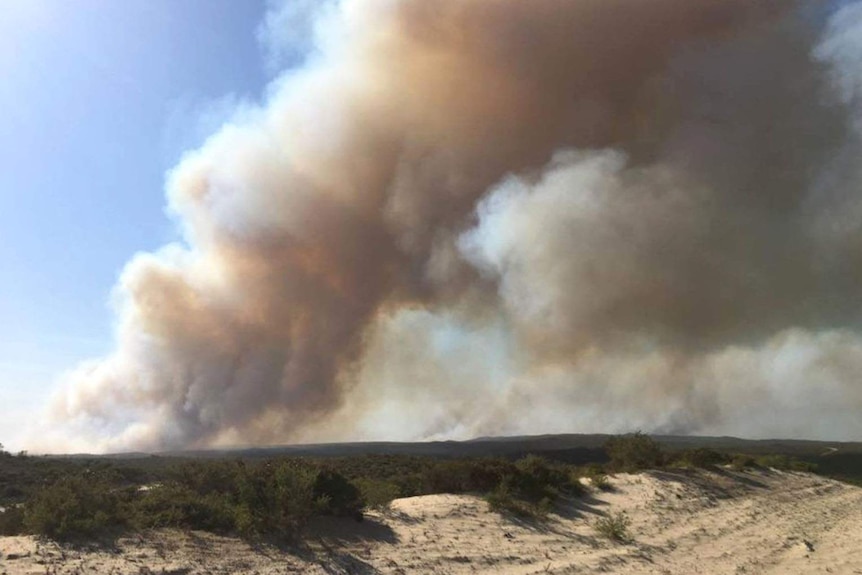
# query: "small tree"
334,494
634,451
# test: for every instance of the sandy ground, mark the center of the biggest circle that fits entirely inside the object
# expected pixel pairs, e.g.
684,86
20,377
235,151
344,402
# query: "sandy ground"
681,523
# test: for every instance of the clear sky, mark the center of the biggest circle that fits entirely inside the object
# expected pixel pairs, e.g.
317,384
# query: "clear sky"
98,98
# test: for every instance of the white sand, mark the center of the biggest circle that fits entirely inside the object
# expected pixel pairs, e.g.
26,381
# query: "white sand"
682,523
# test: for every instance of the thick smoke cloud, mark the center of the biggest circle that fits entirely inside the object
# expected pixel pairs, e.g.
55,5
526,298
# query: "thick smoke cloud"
490,216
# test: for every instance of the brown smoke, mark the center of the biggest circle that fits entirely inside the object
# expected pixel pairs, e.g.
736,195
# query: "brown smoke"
492,216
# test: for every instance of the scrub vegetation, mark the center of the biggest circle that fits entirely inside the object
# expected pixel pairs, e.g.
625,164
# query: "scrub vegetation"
68,498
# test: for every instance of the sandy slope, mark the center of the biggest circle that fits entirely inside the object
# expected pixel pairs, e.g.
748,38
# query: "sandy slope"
698,522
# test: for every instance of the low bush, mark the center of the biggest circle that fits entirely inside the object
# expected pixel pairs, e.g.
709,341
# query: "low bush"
531,486
178,506
701,457
76,506
742,461
250,500
274,498
785,463
614,526
598,478
502,499
465,476
11,521
634,452
335,495
377,494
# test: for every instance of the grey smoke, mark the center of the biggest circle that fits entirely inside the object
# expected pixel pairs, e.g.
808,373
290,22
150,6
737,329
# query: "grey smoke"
465,218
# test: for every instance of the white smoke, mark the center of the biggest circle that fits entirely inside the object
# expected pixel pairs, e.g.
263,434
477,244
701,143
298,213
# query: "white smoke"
464,218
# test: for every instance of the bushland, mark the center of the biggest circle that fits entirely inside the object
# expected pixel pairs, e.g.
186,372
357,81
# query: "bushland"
87,498
274,497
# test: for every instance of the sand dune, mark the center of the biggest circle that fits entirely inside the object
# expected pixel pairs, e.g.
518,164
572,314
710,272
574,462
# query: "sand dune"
681,523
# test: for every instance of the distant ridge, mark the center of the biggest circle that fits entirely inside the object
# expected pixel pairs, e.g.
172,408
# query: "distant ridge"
570,447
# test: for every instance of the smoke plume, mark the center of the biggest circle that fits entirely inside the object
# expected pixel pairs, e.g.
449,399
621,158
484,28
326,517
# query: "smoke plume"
491,216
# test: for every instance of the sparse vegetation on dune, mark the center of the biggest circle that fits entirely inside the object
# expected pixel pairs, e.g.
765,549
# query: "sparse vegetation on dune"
268,497
597,477
532,486
82,498
614,526
634,452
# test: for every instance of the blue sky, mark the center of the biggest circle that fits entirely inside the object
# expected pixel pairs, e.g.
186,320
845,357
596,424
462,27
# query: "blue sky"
98,99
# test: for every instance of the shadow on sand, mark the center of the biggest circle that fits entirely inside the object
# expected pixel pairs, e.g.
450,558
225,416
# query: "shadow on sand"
586,507
340,530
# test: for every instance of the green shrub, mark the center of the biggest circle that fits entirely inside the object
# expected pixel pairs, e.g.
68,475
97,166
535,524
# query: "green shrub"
700,457
502,500
634,452
12,521
465,476
614,526
175,505
75,506
785,463
11,494
573,486
208,477
598,479
274,498
335,495
742,461
66,498
251,500
531,486
377,494
485,474
533,479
